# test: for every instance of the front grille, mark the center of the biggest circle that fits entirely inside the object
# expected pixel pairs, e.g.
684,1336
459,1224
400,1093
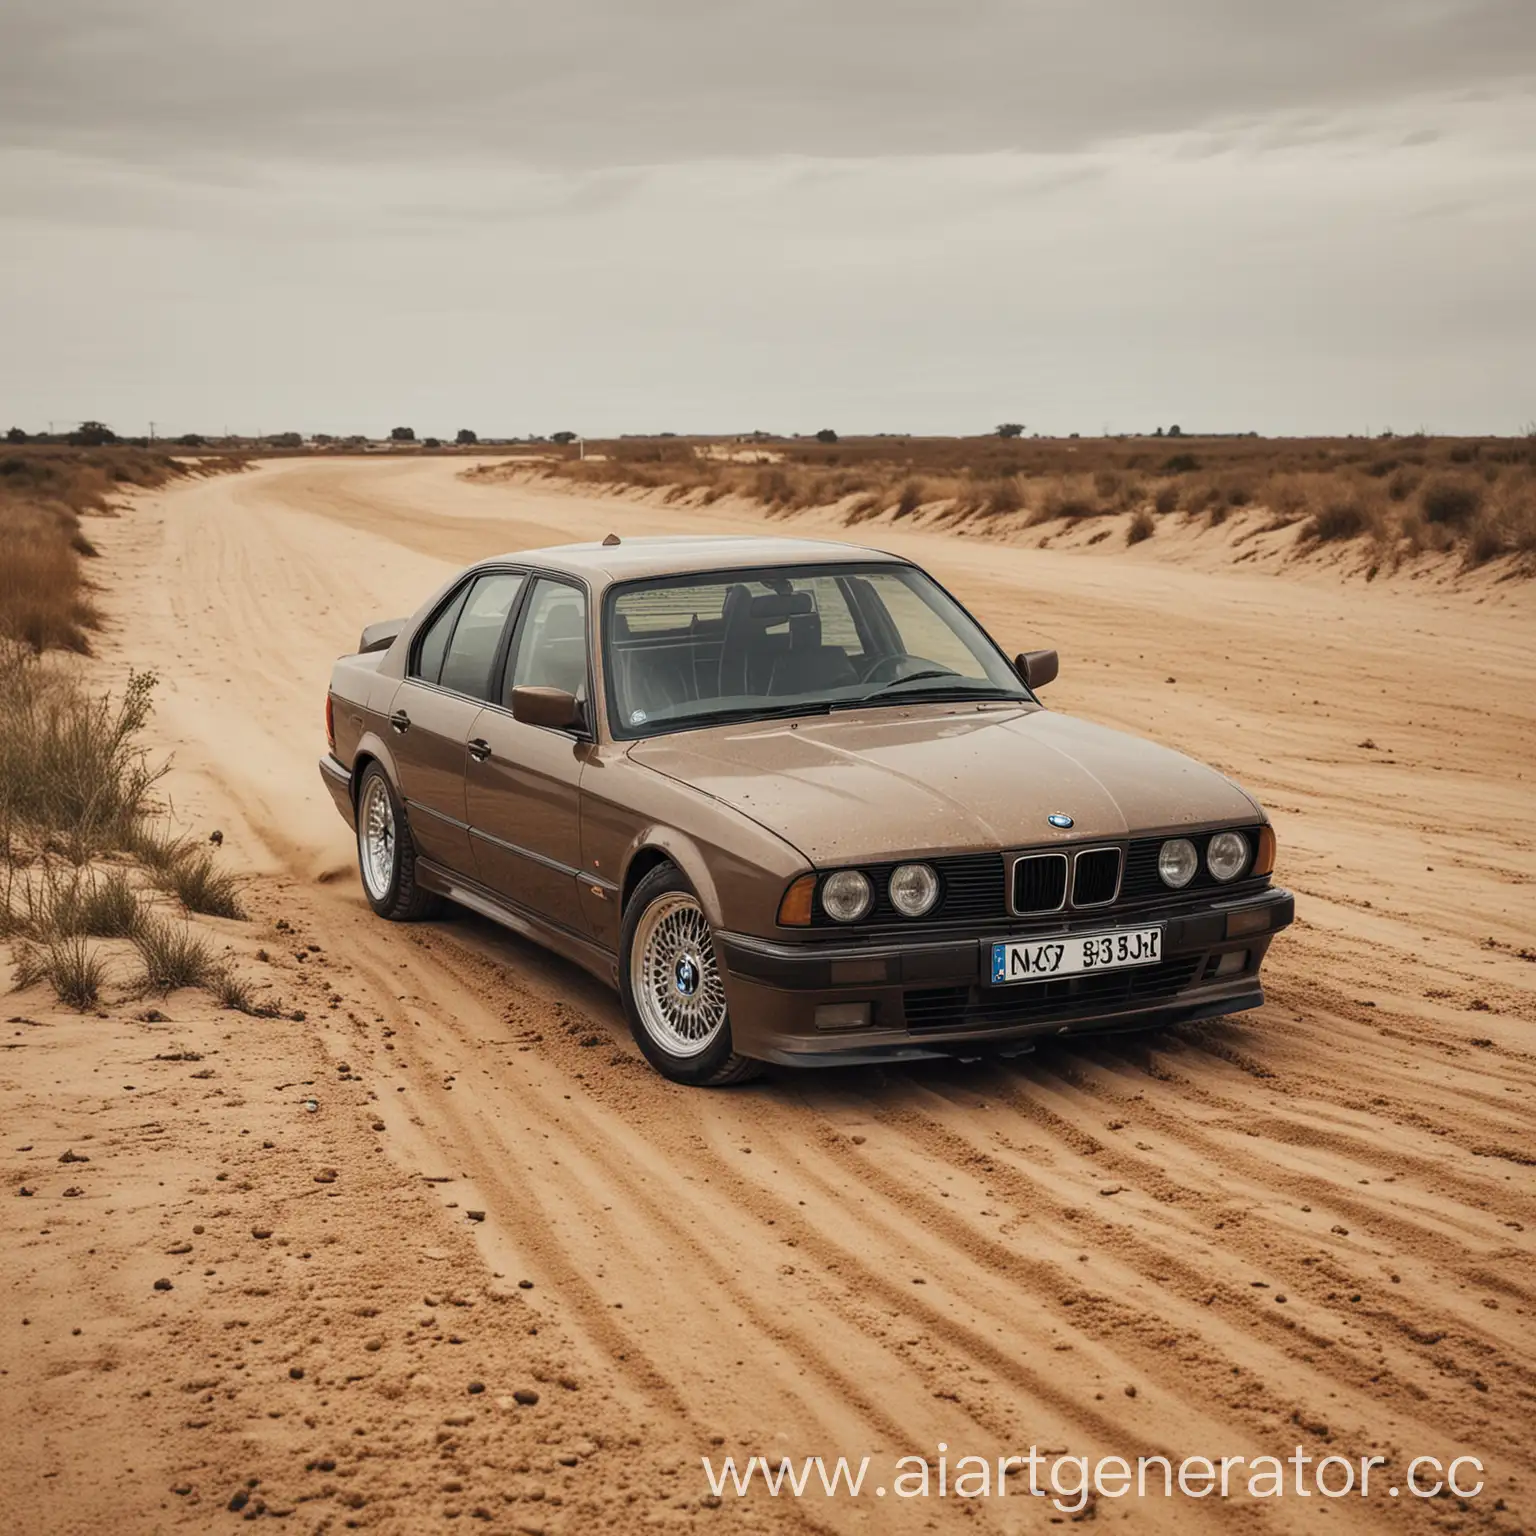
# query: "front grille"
1065,999
1095,877
1040,883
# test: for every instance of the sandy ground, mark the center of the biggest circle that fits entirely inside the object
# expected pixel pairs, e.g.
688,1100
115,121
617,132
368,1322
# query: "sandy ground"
1313,1224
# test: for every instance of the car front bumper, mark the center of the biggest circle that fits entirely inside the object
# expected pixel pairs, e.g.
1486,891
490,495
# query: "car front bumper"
790,1002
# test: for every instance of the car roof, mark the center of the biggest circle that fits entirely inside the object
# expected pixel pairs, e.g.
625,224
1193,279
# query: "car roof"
687,554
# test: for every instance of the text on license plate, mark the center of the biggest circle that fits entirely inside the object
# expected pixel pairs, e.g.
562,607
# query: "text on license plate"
1072,954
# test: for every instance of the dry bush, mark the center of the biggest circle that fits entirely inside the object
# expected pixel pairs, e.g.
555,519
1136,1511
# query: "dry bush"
43,491
1378,483
1345,518
913,494
74,970
201,886
64,903
1451,500
174,956
233,991
1142,526
70,766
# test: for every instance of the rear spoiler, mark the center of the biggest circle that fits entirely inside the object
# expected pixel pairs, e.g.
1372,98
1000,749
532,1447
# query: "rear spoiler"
379,636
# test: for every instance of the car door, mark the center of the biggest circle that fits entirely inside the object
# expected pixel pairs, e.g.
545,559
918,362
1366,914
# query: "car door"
523,781
448,679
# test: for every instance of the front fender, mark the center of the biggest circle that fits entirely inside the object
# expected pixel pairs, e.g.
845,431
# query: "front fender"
684,852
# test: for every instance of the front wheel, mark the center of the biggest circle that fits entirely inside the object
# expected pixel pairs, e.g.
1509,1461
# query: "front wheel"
670,981
386,856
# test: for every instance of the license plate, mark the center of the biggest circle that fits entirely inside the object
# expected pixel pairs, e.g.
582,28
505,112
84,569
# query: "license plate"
1075,953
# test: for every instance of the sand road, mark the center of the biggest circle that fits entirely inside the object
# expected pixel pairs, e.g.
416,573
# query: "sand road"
1312,1224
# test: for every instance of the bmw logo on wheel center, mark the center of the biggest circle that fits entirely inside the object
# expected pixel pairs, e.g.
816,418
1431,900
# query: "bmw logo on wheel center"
1059,819
687,975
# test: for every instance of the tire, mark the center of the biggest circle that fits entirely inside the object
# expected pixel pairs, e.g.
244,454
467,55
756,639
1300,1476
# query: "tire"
386,855
670,982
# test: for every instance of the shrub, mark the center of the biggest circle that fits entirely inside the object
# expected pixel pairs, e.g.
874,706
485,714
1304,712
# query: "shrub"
1180,464
74,970
1451,501
1342,519
1403,484
1142,526
174,956
1003,496
233,991
200,885
910,499
1167,499
109,906
69,763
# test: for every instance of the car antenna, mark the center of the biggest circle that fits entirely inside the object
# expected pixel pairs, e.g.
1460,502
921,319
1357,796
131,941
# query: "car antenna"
611,540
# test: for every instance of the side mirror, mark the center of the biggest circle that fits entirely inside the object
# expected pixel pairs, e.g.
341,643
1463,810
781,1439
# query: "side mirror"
1037,668
553,708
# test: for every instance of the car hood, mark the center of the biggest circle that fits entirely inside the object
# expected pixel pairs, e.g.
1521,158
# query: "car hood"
929,780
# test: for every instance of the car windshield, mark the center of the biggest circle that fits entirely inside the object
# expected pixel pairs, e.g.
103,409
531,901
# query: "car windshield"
687,651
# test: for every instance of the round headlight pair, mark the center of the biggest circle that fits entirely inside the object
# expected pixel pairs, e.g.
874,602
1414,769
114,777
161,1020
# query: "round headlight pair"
847,895
1226,856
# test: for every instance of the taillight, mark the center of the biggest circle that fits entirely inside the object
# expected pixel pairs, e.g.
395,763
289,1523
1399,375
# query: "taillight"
330,722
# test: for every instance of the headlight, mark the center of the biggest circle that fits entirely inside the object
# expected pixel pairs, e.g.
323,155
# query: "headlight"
1227,856
914,889
846,896
1177,862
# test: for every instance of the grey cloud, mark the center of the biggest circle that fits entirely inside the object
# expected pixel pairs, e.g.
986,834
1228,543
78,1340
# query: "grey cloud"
624,82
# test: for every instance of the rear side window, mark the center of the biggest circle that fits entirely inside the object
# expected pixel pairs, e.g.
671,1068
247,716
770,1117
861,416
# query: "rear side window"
477,635
434,643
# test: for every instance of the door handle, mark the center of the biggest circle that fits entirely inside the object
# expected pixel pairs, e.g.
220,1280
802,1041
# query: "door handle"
479,749
401,721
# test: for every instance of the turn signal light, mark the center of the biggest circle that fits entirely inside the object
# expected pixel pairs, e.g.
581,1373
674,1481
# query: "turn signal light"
330,722
1264,859
795,908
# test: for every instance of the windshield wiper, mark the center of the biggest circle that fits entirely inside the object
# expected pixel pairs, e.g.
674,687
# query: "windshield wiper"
960,688
744,712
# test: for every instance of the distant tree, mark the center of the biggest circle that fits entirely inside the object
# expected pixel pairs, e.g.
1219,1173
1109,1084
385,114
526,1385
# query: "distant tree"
1010,429
15,435
322,439
402,435
826,435
92,434
1175,430
286,440
431,442
465,437
191,440
1158,433
562,437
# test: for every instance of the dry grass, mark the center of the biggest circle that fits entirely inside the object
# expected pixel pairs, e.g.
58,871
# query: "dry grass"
76,971
196,880
175,955
44,490
1473,496
71,771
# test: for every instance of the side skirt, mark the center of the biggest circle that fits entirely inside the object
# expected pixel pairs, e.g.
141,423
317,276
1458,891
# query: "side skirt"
583,951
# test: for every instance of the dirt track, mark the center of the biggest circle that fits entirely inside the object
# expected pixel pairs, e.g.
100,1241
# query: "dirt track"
1311,1224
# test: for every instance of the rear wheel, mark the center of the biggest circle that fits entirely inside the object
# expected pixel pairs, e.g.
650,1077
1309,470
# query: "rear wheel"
386,856
670,981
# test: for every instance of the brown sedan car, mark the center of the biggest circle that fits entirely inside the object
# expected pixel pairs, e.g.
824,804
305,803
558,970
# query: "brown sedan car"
795,803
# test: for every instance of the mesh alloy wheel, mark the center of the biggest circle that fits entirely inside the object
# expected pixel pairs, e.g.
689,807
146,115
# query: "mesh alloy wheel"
674,977
376,838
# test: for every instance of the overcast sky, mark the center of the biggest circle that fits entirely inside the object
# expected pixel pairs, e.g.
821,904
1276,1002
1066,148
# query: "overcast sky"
715,215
